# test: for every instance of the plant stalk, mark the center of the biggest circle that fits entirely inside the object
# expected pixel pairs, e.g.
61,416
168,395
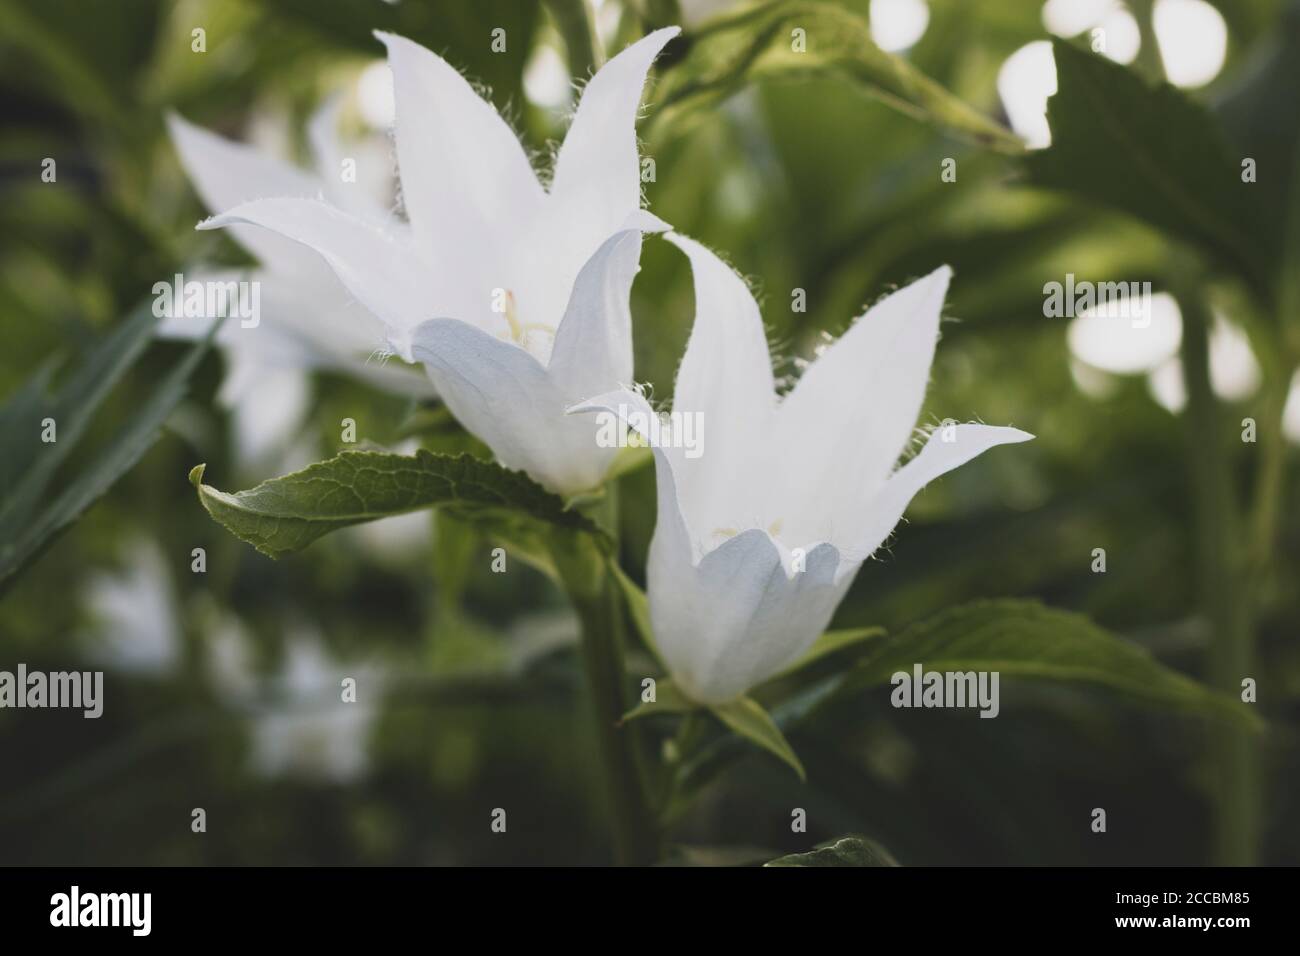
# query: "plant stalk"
576,23
599,602
1223,586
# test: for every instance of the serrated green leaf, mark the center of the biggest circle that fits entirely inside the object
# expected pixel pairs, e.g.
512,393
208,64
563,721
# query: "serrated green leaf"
669,699
1150,151
849,850
1025,639
745,717
286,514
757,43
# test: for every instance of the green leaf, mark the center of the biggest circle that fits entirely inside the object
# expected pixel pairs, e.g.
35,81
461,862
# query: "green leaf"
849,850
629,459
638,610
757,43
20,429
286,514
1025,639
682,855
669,699
24,533
72,410
1152,152
832,643
745,717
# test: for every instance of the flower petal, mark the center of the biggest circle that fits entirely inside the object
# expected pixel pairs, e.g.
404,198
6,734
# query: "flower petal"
226,173
351,196
725,377
633,412
503,395
382,271
944,451
728,620
465,177
593,347
269,408
598,173
737,618
853,411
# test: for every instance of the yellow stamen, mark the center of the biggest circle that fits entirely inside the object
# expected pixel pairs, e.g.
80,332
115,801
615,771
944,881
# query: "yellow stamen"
516,330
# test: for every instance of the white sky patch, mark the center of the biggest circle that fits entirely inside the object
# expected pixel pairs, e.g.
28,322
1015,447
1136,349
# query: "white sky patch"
1119,29
1113,343
375,95
1234,370
135,620
1069,18
1123,38
1193,40
1091,381
897,25
607,17
546,79
695,12
1026,80
1291,414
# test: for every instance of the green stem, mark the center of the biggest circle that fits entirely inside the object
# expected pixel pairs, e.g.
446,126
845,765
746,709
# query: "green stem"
1149,61
576,22
1221,584
597,598
1266,503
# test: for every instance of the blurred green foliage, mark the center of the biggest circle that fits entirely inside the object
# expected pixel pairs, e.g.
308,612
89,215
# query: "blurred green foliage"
804,182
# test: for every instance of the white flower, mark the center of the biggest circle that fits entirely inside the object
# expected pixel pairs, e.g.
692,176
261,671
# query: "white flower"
136,624
513,296
307,319
301,723
315,733
759,537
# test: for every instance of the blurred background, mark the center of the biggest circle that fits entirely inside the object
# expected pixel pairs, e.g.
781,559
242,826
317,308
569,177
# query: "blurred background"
222,687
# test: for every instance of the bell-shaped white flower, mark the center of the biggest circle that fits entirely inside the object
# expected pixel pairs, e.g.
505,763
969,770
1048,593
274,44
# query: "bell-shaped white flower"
764,523
308,320
514,297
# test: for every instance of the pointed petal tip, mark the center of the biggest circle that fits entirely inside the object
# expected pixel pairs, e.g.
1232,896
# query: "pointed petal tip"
940,278
645,221
1004,434
219,221
654,41
663,34
395,42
